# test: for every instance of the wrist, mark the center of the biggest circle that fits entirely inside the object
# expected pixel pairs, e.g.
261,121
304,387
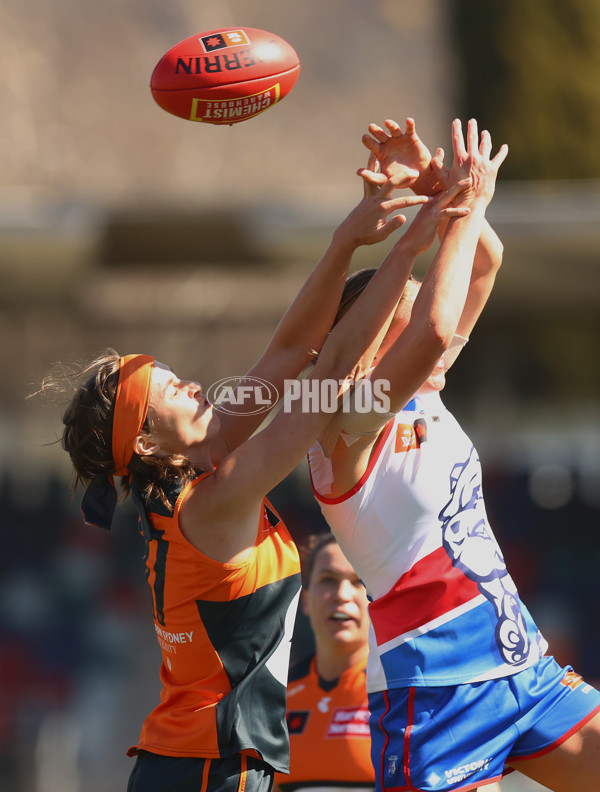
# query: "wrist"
342,242
475,203
407,249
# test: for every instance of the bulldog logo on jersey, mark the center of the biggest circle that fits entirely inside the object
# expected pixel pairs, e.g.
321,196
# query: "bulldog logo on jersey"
229,38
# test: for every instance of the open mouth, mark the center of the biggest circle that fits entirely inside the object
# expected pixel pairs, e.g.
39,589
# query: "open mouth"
340,616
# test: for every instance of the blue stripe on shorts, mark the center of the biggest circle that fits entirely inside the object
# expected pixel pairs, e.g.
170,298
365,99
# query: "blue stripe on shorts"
454,737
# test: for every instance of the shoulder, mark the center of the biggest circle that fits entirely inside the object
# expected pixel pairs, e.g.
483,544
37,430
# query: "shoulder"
354,460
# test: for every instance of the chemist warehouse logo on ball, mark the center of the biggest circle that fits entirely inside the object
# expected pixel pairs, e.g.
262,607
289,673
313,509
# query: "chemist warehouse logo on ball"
254,395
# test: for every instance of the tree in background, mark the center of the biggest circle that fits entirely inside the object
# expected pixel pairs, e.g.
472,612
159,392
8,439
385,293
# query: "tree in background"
531,75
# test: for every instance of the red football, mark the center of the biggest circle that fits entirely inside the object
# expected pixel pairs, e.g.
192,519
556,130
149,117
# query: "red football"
225,76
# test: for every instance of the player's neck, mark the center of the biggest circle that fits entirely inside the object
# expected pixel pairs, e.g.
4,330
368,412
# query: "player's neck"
332,662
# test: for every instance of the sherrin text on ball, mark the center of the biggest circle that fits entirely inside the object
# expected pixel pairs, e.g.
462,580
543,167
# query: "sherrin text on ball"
225,76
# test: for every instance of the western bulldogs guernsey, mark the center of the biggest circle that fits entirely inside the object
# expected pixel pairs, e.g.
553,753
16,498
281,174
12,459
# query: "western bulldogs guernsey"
225,634
443,607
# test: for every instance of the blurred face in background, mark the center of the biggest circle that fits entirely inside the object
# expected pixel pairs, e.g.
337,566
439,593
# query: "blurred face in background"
336,602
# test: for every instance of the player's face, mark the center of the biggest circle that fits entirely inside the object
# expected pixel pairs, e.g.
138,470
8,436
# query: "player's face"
336,601
180,415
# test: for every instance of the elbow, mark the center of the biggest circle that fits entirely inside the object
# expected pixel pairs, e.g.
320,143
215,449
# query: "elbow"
433,343
496,259
490,264
439,334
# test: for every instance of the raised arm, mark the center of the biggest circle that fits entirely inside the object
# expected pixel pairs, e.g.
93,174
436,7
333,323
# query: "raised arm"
398,153
487,261
415,241
440,303
304,327
219,516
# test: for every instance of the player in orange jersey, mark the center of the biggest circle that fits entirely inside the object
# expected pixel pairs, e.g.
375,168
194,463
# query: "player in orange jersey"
328,715
221,566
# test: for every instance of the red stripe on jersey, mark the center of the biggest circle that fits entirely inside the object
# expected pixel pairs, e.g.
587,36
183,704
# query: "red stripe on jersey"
429,590
375,453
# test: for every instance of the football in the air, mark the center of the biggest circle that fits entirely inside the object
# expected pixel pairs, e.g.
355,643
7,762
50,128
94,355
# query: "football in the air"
225,76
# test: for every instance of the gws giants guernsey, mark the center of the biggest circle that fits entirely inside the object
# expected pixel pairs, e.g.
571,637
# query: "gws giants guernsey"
443,608
225,632
328,722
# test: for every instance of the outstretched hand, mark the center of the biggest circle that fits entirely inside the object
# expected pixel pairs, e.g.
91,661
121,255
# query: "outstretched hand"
422,230
402,155
471,161
370,221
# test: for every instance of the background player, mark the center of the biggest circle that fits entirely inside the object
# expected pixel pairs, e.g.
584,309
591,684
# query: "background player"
328,716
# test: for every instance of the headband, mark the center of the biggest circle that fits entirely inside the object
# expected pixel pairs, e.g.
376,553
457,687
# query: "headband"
131,406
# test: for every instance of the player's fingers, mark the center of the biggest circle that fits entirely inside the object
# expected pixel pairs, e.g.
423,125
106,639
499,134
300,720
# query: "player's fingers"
405,178
500,156
437,161
378,133
390,226
485,147
472,136
371,175
373,162
370,184
460,186
371,144
410,126
371,181
404,201
455,211
393,127
396,221
444,198
458,143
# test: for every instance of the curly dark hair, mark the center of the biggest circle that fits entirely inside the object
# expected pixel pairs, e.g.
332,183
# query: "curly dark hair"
87,436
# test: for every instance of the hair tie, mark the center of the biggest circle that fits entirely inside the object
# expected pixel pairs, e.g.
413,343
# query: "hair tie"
99,502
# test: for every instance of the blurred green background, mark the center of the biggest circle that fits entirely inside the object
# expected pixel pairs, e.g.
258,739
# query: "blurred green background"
121,225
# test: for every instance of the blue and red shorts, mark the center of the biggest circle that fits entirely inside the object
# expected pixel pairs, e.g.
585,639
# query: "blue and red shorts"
458,737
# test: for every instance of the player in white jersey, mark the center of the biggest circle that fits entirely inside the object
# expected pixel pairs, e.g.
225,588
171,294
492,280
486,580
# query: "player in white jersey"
460,687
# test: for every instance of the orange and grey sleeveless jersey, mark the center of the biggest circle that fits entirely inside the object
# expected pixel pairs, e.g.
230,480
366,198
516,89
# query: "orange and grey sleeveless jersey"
225,632
328,724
